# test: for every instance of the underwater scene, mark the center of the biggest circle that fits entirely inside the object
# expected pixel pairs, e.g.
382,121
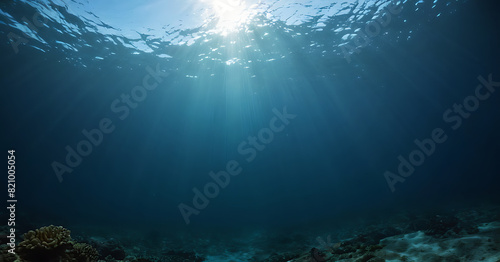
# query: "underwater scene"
250,130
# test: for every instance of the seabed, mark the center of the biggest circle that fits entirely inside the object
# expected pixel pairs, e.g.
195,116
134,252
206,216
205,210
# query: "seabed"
470,234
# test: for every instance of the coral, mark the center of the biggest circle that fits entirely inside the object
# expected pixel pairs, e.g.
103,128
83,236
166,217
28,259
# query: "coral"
54,243
84,253
45,244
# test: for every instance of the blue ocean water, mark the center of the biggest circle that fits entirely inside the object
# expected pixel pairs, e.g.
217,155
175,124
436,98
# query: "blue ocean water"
258,125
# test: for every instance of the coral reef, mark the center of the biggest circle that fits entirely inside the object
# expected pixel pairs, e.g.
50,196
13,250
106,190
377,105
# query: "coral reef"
54,243
45,244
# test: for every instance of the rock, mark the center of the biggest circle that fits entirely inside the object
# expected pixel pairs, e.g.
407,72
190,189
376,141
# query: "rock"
118,253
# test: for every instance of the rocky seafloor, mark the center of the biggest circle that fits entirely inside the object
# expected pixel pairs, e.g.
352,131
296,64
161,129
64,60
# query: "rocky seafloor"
471,234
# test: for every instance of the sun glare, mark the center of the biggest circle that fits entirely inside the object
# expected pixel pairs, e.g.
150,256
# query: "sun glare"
231,14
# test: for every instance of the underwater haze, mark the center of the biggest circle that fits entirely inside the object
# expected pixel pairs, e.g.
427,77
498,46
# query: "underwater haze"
250,130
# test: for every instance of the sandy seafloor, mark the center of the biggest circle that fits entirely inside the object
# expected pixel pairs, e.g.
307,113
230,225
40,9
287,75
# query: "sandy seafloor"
459,234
